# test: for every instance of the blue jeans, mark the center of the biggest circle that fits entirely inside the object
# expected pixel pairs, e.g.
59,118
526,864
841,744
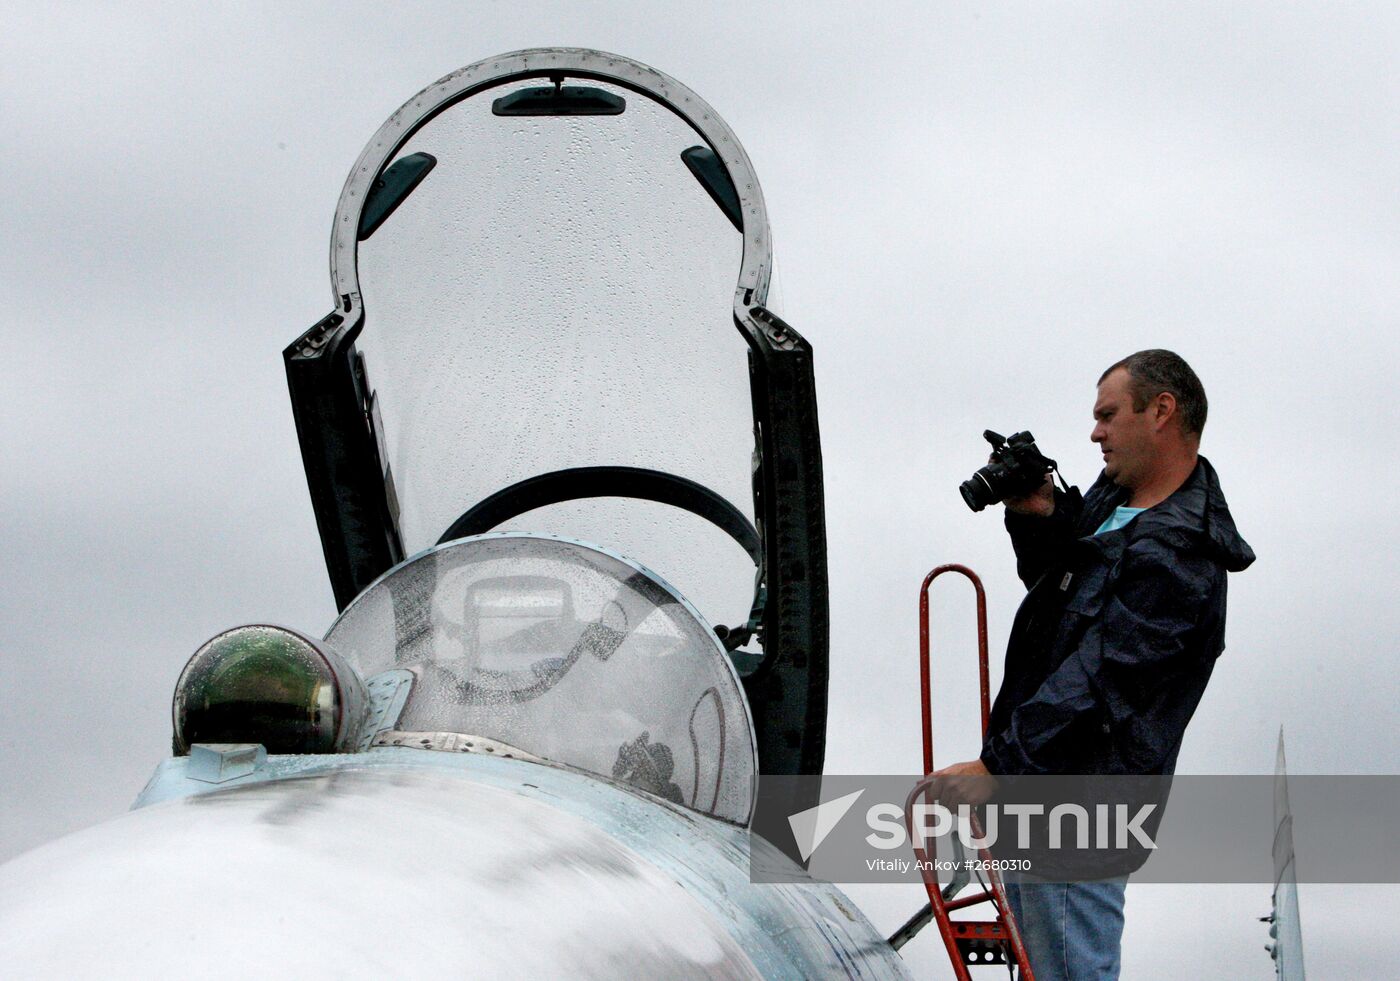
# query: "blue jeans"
1073,931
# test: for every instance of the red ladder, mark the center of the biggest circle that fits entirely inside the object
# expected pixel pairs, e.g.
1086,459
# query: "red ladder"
969,942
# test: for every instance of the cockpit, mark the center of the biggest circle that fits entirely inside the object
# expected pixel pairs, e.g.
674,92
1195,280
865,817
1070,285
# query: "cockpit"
551,369
517,645
563,652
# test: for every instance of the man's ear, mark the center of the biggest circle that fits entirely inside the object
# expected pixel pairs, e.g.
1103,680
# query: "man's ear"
1163,410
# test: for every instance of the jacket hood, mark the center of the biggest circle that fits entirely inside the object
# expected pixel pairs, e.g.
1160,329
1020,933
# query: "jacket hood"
1197,518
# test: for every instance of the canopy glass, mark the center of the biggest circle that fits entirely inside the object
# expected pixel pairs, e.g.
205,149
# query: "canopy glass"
563,652
556,291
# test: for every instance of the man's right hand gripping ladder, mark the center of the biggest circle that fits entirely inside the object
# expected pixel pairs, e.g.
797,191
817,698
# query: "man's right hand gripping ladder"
970,943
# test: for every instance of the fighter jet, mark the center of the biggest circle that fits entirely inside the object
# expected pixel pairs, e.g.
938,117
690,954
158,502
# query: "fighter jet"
565,465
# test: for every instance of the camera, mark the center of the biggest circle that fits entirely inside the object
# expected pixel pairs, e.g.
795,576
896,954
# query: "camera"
1017,468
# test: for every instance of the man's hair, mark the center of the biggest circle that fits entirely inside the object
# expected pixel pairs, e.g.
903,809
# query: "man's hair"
1155,371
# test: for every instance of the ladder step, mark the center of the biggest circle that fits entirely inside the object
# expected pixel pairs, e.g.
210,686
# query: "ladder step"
979,930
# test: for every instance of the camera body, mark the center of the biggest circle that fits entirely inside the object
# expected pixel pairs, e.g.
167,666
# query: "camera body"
1017,468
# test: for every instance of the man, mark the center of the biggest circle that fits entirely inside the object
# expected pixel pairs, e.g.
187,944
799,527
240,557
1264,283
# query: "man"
1115,641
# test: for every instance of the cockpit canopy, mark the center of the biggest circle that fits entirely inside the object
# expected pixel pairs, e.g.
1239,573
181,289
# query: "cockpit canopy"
565,652
556,292
550,273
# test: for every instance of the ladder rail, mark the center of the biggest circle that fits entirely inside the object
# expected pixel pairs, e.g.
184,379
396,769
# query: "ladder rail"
1004,927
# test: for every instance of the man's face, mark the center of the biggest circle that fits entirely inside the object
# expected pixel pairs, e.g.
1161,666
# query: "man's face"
1126,437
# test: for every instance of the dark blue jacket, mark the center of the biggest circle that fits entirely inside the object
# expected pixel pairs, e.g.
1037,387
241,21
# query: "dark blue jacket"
1114,643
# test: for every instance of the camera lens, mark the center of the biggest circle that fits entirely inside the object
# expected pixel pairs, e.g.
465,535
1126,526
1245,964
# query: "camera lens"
977,492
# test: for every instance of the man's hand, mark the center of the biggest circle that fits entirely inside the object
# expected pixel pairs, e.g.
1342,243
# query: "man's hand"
1040,501
963,783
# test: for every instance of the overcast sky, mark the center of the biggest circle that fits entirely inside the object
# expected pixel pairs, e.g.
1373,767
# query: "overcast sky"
976,208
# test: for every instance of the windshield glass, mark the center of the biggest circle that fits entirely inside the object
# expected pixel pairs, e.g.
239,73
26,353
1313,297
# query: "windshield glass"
564,652
557,292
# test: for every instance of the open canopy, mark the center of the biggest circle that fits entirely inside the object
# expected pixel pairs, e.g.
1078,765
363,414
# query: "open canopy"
555,294
550,271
